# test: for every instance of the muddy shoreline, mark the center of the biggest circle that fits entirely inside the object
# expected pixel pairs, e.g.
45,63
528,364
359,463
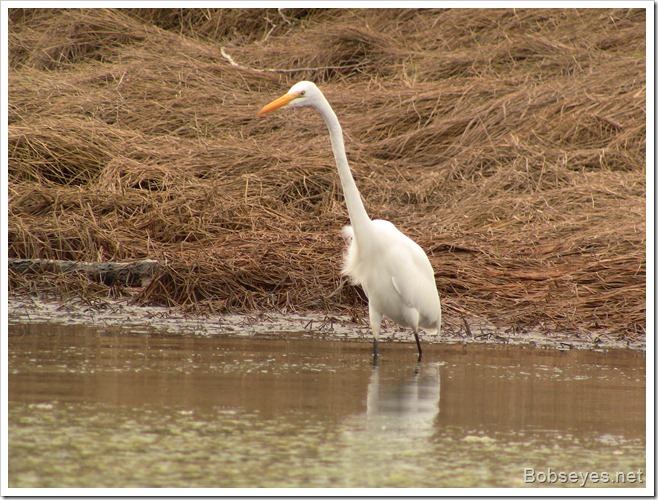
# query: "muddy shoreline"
117,313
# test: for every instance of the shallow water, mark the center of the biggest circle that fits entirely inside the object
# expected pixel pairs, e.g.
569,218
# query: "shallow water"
104,407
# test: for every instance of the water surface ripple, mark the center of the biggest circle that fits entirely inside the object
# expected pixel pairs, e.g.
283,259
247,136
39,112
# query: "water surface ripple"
104,407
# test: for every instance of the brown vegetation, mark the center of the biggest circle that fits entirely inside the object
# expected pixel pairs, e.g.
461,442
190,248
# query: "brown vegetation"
510,144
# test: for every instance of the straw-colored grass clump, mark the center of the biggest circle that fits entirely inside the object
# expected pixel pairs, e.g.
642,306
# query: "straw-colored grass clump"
509,143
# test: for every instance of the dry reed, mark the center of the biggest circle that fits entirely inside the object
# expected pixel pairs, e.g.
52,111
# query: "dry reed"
509,143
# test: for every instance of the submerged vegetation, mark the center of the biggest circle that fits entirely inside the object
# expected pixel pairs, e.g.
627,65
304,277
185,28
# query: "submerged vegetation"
509,143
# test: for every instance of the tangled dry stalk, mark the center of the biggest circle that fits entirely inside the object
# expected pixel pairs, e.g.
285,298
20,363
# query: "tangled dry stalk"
510,144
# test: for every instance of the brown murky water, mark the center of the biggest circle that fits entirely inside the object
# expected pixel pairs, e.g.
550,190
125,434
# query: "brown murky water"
104,407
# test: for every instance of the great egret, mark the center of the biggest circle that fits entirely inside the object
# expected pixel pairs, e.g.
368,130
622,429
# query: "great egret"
393,270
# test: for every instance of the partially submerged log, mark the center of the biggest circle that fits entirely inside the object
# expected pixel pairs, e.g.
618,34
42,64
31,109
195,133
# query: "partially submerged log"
132,274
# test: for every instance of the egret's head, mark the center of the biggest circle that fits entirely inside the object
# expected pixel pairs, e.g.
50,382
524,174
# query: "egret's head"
302,94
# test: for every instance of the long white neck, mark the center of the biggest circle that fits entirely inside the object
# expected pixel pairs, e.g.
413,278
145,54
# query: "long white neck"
357,212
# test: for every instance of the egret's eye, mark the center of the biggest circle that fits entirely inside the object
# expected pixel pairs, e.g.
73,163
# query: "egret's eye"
303,92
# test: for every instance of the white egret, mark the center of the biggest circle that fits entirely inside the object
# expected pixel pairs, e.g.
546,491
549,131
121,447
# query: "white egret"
392,269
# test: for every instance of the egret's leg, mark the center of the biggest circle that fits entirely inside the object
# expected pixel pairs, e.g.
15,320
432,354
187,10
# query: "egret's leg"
414,318
375,324
420,351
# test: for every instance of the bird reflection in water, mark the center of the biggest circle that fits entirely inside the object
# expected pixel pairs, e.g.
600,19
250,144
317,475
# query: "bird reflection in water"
405,402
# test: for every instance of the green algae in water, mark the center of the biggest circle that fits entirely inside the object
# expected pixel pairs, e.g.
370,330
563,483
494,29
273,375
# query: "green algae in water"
99,446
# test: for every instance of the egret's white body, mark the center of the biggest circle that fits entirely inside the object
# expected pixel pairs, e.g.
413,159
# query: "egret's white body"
393,270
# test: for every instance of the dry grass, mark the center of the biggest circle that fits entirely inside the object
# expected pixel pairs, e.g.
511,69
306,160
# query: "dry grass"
509,143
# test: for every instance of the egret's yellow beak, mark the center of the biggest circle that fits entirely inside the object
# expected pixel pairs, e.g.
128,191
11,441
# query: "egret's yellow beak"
278,103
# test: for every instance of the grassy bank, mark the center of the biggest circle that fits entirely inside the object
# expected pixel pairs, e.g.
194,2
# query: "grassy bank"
510,144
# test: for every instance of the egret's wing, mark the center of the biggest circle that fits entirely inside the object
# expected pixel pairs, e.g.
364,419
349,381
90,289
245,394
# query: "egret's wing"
413,278
395,285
